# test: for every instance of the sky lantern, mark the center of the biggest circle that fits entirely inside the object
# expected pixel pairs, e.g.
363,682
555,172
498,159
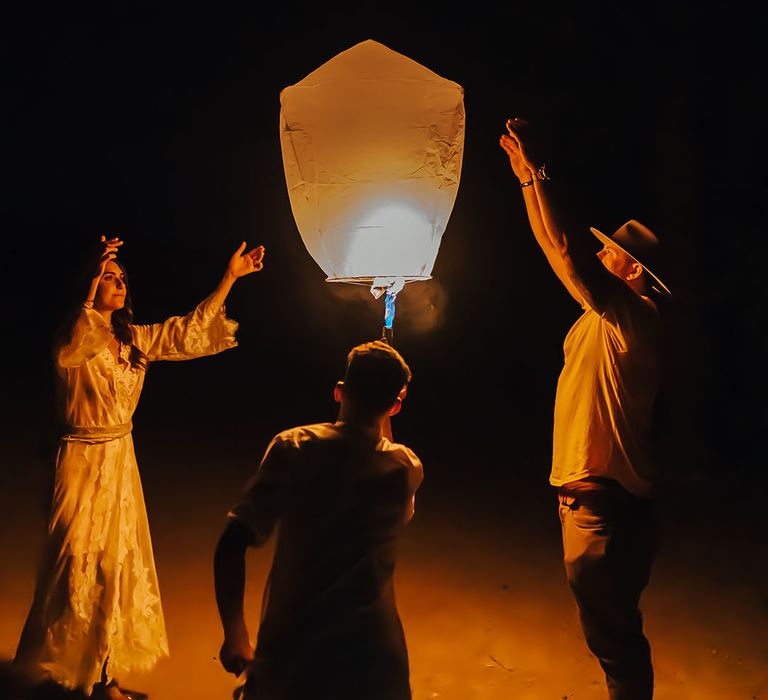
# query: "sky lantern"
372,147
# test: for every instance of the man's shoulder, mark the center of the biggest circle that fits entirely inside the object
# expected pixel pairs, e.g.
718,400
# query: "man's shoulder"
300,434
402,453
627,308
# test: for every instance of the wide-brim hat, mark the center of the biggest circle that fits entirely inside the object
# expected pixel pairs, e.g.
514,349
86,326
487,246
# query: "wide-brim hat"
640,244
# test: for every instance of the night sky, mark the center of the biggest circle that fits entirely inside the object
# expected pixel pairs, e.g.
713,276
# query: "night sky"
164,131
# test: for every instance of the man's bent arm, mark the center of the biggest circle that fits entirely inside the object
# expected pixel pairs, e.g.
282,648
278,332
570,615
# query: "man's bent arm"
229,582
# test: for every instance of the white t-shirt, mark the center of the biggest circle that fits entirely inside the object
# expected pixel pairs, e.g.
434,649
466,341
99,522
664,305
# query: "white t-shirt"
605,395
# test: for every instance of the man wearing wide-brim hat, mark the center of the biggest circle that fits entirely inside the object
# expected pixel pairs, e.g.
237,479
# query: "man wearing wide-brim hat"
602,465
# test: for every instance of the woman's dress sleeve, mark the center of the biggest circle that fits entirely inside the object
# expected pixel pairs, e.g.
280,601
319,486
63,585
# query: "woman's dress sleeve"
204,331
90,335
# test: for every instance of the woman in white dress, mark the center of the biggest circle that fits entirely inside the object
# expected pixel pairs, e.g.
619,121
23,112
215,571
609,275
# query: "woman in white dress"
97,610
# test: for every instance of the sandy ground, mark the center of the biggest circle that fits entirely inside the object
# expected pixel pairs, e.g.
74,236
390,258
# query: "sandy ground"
480,586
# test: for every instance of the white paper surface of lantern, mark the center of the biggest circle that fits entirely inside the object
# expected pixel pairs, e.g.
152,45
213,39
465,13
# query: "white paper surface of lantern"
372,147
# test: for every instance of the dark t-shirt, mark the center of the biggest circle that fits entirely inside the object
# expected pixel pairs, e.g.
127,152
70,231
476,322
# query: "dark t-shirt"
339,498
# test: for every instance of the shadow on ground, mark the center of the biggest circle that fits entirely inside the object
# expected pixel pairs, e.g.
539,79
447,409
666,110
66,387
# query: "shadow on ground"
14,685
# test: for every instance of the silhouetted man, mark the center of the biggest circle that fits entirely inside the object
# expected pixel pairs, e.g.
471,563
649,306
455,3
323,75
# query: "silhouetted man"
340,494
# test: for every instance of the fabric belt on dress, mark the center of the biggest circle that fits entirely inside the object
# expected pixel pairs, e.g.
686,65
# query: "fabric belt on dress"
97,433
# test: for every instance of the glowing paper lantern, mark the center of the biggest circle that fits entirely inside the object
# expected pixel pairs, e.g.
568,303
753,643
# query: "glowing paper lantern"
372,148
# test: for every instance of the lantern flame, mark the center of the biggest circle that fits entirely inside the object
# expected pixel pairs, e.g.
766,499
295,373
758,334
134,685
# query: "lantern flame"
391,286
389,306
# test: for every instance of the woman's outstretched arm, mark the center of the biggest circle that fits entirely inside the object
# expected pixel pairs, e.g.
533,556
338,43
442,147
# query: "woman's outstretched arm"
206,330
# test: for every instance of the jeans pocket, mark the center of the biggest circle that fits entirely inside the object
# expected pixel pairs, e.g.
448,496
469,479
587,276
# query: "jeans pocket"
587,519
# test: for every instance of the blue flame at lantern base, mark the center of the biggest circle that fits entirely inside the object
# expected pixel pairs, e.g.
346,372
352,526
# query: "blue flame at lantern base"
389,309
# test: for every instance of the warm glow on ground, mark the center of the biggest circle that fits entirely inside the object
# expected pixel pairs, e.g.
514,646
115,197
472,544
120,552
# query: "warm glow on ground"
480,590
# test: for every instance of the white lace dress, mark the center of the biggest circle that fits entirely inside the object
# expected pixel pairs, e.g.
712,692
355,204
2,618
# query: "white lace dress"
97,597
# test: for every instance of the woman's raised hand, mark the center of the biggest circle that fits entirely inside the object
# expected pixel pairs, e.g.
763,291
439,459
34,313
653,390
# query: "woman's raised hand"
109,252
242,263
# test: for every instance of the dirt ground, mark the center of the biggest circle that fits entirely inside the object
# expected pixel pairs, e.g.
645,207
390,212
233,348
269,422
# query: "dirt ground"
480,586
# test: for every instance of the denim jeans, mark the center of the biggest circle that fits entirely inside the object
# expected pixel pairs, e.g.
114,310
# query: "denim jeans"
609,542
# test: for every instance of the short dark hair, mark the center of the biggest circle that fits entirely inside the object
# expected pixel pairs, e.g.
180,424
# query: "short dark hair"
376,374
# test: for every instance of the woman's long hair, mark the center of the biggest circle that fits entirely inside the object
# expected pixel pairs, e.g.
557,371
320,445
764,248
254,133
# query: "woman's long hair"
121,318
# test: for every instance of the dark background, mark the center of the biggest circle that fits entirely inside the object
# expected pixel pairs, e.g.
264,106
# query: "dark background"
164,130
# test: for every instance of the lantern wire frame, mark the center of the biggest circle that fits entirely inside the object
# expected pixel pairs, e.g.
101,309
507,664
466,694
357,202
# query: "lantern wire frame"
368,281
387,332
